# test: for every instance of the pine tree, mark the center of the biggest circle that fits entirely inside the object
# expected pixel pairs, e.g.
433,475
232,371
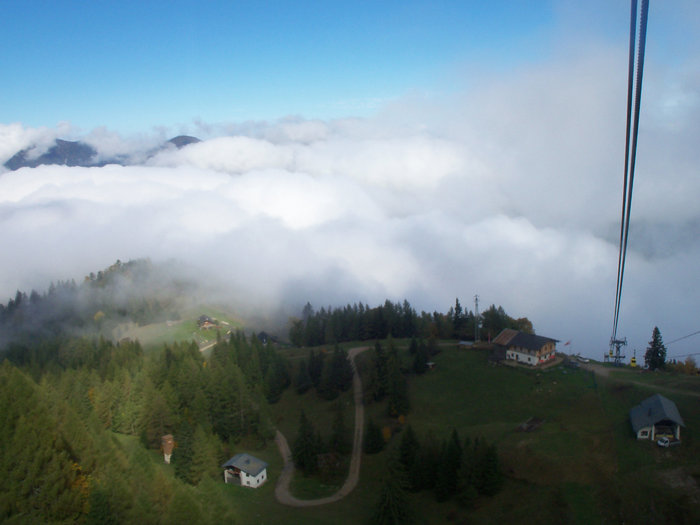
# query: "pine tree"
457,320
306,446
381,375
101,512
422,475
341,369
315,367
393,506
296,332
42,477
488,475
273,385
655,356
408,448
182,454
327,388
156,418
413,347
340,436
398,404
420,359
448,470
374,441
303,382
204,456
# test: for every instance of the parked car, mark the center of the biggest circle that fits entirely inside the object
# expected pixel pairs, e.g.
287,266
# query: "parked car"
666,442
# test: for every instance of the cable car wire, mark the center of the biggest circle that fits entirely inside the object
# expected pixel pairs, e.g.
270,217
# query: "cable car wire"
684,337
632,131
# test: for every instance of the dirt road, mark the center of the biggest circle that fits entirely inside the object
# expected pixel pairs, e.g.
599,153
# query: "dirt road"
282,488
604,371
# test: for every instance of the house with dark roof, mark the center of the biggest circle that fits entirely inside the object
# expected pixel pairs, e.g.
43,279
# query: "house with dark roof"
528,349
246,470
656,416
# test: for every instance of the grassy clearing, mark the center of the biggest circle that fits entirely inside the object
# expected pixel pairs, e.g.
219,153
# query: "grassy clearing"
582,465
584,447
665,380
154,336
312,488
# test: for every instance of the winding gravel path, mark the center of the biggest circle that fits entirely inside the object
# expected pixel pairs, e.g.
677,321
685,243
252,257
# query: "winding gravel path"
282,488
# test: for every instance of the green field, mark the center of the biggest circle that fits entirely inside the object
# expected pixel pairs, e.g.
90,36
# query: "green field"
154,336
582,465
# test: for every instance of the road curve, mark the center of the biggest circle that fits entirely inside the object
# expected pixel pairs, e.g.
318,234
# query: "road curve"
282,488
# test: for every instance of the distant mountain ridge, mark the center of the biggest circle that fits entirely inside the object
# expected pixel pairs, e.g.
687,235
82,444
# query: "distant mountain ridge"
183,140
63,152
77,153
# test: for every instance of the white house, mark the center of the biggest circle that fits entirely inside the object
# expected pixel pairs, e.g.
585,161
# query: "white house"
246,470
656,416
529,349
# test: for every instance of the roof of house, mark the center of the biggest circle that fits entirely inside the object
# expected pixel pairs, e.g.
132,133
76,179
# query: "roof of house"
510,337
652,410
246,463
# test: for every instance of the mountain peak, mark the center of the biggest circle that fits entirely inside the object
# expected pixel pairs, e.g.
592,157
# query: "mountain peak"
183,140
63,153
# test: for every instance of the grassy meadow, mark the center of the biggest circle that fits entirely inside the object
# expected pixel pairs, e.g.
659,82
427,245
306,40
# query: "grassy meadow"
581,465
154,336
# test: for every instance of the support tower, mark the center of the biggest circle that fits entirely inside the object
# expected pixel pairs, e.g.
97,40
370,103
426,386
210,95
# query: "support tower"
615,357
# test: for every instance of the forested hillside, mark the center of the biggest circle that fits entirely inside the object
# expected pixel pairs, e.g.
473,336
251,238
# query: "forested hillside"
135,291
65,404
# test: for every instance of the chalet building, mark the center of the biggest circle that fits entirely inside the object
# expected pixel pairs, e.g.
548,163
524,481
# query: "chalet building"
246,470
207,323
528,349
656,417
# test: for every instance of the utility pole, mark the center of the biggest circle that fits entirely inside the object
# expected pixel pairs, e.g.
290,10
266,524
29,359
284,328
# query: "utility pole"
476,318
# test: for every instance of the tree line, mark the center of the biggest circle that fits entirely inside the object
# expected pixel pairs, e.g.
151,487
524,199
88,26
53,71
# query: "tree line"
359,322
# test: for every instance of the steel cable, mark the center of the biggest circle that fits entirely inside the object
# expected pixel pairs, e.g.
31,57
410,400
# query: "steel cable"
631,136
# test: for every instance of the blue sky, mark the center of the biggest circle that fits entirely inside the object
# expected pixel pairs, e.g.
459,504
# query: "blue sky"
131,65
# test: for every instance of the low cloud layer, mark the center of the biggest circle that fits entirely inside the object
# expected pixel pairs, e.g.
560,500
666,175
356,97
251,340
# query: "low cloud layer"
510,190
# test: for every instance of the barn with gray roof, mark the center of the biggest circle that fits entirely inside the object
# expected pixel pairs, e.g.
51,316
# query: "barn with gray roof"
655,417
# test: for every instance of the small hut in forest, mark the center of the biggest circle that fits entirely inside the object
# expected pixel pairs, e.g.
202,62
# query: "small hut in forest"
246,470
167,444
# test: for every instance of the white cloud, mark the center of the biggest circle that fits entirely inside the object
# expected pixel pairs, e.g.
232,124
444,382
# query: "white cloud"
15,137
510,190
